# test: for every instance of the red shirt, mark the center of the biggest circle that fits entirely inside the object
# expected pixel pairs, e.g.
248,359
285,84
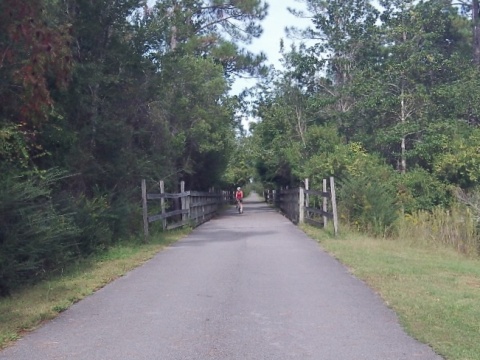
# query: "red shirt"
239,194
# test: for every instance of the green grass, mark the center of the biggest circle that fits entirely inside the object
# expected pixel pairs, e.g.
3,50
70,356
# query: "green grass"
435,291
26,309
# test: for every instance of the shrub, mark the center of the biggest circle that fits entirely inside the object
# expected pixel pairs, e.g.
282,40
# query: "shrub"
367,201
419,190
95,219
35,236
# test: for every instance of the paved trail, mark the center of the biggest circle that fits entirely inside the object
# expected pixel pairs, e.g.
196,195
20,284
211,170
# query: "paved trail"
246,287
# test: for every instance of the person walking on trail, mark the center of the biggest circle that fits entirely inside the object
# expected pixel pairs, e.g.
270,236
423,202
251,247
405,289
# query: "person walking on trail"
239,198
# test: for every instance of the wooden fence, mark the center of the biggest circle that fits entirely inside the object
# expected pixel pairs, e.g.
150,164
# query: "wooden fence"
319,216
302,205
269,196
288,201
183,208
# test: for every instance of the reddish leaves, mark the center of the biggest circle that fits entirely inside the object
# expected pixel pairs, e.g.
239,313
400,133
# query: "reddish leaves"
34,53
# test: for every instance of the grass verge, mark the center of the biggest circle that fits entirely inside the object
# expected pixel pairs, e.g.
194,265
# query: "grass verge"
433,290
26,309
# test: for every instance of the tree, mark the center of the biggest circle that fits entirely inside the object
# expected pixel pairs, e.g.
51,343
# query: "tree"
35,58
415,60
476,31
195,110
241,167
196,48
314,89
208,28
473,6
344,32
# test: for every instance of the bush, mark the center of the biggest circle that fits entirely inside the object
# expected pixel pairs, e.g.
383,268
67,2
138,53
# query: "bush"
367,201
94,218
35,236
419,190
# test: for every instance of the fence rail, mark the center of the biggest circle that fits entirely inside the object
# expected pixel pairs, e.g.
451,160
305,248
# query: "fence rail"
183,208
167,196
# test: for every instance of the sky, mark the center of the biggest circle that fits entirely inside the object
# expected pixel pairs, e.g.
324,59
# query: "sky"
273,30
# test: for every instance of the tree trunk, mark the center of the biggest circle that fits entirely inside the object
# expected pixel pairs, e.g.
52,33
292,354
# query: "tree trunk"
403,165
173,36
403,161
476,31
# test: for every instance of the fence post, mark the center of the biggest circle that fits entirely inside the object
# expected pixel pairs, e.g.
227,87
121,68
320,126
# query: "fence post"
301,204
325,203
193,208
145,210
162,204
307,197
334,205
187,206
183,200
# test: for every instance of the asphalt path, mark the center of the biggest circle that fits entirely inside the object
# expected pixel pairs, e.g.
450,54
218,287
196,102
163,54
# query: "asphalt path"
248,286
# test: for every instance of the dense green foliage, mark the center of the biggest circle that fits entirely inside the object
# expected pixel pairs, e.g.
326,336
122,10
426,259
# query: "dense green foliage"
383,95
95,96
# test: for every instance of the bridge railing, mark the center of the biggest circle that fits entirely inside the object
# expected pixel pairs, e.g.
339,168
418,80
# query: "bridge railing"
180,209
302,205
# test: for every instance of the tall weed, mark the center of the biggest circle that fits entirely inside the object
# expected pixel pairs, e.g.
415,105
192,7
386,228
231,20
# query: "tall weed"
454,228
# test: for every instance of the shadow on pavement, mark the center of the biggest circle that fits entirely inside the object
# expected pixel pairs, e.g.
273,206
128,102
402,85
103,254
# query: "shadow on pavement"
220,235
249,207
